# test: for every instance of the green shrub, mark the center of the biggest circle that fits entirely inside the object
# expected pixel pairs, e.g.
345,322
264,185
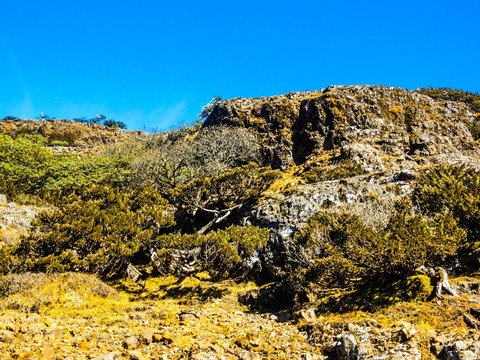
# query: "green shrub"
27,166
23,162
207,201
455,190
339,250
222,253
96,229
338,170
471,99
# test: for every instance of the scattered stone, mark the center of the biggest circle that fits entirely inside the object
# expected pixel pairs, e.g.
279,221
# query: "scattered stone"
130,342
147,336
347,347
307,315
135,355
203,356
7,336
188,317
111,356
247,355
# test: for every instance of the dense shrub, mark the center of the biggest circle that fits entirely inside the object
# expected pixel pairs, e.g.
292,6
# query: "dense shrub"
455,190
339,250
338,170
471,99
96,229
23,162
223,253
209,200
28,166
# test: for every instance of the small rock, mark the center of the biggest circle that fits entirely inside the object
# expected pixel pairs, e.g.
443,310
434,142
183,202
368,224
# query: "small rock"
246,355
459,345
347,347
135,355
110,356
130,343
7,336
467,355
187,317
307,315
162,338
53,332
147,336
203,356
48,353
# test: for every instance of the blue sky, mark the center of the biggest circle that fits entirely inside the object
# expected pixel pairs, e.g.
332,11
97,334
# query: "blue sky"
153,64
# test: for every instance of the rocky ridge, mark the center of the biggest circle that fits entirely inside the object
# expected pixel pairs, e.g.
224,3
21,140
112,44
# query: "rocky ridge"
67,135
373,125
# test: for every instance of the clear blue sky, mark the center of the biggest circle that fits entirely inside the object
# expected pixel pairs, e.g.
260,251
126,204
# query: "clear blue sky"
155,63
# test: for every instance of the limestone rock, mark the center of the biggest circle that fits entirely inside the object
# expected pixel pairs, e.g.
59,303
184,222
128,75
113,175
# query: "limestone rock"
111,356
203,356
130,342
347,347
307,315
380,120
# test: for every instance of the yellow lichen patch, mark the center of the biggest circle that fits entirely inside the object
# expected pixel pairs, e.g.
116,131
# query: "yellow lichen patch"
397,109
287,180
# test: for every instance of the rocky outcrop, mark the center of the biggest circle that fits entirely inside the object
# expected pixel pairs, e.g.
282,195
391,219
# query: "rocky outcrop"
15,220
391,134
371,125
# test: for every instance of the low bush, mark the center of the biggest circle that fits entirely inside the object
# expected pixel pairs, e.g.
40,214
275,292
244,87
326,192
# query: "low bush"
223,253
28,166
339,250
338,170
97,229
454,190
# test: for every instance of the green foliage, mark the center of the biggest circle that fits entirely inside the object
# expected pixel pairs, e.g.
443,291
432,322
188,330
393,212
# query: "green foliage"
222,253
97,229
67,172
454,190
339,250
410,241
471,99
207,109
114,124
22,162
28,166
209,199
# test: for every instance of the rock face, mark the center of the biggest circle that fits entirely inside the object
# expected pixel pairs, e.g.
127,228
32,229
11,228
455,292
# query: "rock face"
363,123
15,220
389,133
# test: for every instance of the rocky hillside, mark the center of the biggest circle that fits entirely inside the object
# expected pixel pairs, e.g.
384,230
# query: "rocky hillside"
337,224
376,126
67,133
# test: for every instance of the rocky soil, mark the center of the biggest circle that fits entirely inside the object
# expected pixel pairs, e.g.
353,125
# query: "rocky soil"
75,316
